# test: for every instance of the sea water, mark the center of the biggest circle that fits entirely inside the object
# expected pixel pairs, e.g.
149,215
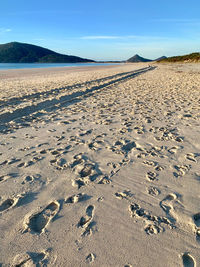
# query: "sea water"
7,66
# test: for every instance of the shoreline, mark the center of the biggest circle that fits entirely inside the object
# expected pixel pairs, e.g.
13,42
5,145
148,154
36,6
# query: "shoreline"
26,71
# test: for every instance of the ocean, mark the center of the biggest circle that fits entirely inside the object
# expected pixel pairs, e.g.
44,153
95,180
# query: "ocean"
8,66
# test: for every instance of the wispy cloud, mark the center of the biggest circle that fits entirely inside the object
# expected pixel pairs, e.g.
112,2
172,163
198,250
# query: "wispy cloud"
123,37
4,30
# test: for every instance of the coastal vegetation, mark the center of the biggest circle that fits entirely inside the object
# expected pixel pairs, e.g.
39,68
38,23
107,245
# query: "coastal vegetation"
194,57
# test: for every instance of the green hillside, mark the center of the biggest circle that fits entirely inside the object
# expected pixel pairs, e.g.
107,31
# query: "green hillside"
27,53
194,57
138,58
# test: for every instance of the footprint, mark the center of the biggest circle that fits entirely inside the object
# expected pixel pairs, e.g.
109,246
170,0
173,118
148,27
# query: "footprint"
153,191
33,259
104,180
96,145
60,164
4,178
150,163
44,151
22,260
86,132
27,260
8,203
191,157
188,260
129,146
87,170
159,168
28,179
13,160
78,183
4,163
88,217
22,164
157,222
86,222
197,219
181,170
151,229
38,222
55,152
166,203
152,176
124,195
77,198
179,139
173,149
90,258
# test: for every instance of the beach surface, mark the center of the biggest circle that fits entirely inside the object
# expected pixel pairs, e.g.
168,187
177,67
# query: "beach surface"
100,166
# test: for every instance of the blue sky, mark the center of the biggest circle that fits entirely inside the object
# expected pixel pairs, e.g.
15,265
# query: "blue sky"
106,29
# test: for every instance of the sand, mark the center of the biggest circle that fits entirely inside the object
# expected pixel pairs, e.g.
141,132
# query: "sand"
100,166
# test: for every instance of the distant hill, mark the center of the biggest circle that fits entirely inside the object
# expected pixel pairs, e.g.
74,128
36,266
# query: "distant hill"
137,58
160,58
194,57
15,52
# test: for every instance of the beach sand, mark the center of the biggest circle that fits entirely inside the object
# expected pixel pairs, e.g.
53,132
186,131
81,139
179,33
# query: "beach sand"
100,166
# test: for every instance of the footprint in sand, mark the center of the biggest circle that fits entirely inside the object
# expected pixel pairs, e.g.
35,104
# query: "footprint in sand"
152,229
196,219
191,157
126,194
34,259
86,222
88,217
173,149
28,179
83,133
38,222
152,176
78,183
150,163
4,178
60,163
96,145
77,198
166,203
22,164
86,170
104,180
181,170
4,162
153,191
90,258
188,260
155,224
8,203
26,260
44,151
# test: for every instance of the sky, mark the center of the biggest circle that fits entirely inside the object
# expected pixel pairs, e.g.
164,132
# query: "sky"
106,29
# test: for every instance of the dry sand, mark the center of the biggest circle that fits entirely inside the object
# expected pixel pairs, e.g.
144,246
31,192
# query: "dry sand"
100,167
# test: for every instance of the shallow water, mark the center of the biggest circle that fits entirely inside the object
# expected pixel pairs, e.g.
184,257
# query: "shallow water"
7,66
